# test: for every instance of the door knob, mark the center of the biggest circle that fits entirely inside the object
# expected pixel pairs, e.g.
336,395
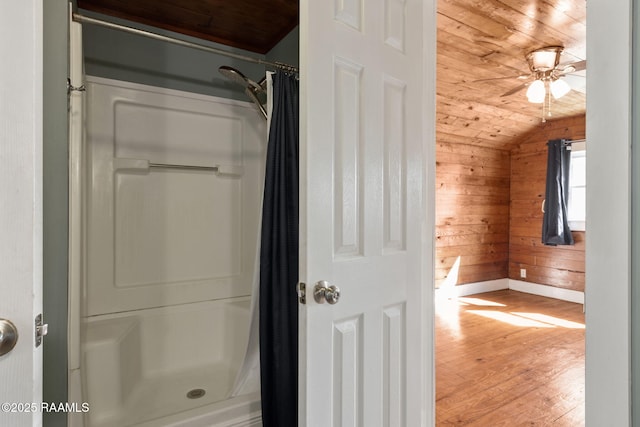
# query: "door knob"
8,336
323,291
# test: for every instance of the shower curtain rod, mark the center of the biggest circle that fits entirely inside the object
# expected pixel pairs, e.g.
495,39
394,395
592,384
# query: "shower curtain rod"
87,20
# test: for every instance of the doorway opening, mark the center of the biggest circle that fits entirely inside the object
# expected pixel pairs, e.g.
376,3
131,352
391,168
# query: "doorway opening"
491,161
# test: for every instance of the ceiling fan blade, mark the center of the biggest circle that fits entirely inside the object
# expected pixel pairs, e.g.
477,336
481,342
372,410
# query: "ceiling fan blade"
520,77
515,89
574,67
576,82
580,65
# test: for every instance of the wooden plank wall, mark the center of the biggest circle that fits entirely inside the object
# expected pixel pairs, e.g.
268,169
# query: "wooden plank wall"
472,211
560,266
488,212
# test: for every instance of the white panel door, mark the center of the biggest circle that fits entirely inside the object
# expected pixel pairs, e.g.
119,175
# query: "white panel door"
365,360
21,208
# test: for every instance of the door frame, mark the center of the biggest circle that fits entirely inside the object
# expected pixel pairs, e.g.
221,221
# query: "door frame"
608,242
635,218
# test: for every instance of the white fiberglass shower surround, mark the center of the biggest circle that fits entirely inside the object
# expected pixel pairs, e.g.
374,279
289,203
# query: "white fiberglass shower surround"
170,252
169,256
165,210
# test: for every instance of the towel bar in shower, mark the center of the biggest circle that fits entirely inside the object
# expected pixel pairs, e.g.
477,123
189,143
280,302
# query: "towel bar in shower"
141,165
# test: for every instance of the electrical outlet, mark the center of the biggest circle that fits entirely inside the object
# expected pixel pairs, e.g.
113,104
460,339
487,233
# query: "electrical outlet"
523,273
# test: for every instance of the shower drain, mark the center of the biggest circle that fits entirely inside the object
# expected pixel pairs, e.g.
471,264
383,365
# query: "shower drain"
196,393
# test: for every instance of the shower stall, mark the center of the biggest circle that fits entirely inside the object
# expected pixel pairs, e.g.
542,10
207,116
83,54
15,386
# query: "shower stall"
166,191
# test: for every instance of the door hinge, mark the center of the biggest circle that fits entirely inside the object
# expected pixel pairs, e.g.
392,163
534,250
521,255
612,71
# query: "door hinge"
302,292
41,330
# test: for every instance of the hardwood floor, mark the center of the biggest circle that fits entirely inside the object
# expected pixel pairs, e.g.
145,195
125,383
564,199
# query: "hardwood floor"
508,358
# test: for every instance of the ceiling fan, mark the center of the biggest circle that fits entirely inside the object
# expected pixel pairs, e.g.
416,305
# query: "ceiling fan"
547,77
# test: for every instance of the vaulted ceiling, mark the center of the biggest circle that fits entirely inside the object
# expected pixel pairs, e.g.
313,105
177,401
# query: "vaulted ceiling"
488,39
477,40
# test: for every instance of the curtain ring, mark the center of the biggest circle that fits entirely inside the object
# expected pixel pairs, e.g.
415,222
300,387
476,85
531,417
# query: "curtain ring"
542,207
71,87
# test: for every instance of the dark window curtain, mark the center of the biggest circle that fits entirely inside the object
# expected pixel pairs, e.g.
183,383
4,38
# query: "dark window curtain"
555,226
279,261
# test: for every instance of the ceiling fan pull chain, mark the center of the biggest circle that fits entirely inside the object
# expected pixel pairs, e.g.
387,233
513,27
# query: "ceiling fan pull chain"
544,119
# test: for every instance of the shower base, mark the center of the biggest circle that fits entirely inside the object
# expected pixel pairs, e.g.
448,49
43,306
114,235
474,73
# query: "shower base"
153,367
158,397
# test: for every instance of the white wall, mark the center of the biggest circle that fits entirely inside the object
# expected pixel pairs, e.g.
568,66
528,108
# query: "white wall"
608,270
121,56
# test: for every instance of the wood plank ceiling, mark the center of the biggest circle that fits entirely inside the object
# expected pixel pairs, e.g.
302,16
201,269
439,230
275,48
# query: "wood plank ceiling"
477,39
254,25
484,39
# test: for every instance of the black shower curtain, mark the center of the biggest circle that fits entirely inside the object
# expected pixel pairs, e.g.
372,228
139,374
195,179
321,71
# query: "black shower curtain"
555,225
279,261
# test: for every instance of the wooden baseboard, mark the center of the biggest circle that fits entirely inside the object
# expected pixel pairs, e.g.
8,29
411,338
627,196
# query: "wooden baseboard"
516,285
547,291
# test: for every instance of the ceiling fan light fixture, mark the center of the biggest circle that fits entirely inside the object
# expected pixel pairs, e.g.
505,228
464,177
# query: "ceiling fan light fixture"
559,88
544,59
536,92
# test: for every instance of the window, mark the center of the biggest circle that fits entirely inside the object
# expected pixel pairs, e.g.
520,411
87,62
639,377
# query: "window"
577,187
